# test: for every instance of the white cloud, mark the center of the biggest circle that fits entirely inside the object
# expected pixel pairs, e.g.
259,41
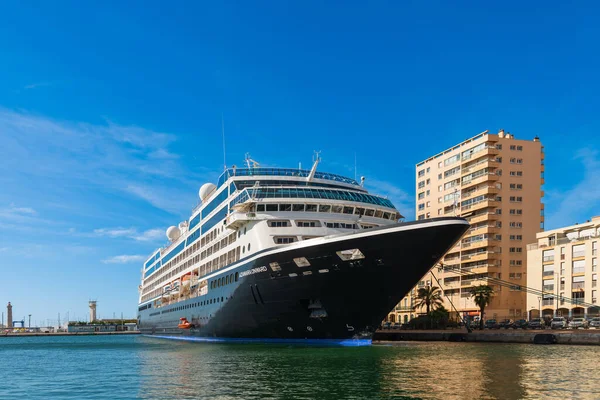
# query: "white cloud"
22,210
115,232
131,233
582,201
150,235
22,215
124,259
102,158
2,249
37,85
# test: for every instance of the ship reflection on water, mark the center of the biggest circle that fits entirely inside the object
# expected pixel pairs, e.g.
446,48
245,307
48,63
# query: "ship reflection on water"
404,370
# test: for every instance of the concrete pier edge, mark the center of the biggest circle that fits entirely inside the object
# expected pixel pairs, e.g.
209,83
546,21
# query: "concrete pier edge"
585,337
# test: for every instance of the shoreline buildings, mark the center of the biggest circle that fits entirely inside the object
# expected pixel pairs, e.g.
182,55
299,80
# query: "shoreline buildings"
495,182
562,268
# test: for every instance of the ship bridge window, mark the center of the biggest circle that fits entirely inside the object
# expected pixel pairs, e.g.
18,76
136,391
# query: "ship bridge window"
271,207
311,208
352,254
359,211
260,207
386,215
369,212
337,209
348,210
325,208
342,225
284,239
298,207
308,224
279,224
378,214
285,207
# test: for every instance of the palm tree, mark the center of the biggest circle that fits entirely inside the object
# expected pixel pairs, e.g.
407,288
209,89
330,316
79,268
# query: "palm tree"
430,297
482,296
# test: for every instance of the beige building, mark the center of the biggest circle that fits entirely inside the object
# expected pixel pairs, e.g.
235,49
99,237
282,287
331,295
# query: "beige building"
562,271
495,182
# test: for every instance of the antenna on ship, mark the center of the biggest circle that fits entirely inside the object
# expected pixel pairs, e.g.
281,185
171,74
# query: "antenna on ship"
250,162
316,160
223,134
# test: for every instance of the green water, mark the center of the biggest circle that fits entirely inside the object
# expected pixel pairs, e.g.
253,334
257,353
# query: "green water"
130,367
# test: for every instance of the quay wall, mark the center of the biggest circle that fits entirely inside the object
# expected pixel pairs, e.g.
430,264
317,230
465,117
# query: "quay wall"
583,337
69,334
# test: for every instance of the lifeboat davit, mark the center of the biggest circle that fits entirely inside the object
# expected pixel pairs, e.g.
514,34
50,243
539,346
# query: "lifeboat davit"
184,324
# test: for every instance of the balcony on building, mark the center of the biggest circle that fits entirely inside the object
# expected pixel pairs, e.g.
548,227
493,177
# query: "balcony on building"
479,190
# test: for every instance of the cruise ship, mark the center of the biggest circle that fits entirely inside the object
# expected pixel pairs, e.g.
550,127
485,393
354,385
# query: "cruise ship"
287,255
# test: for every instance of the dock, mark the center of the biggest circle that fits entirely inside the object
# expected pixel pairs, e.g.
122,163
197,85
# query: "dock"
544,336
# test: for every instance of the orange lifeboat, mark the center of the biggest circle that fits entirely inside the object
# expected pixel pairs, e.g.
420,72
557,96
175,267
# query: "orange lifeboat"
184,324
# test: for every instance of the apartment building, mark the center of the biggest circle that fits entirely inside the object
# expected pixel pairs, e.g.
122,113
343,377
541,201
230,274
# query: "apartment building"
562,271
495,182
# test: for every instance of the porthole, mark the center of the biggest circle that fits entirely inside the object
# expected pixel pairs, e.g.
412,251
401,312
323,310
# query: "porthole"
248,246
239,234
244,231
243,249
227,280
221,299
236,276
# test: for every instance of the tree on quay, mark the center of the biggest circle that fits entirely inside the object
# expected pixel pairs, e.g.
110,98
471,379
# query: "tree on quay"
482,296
430,297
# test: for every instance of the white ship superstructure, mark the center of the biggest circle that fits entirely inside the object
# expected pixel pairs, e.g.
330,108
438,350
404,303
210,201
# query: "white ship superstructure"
252,209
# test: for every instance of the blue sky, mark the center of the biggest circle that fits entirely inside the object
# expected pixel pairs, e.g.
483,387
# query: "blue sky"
110,116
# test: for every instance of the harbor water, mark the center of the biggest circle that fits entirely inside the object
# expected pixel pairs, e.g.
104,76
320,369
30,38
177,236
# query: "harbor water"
137,367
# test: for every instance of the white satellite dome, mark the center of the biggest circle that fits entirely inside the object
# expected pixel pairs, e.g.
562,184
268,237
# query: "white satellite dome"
206,190
173,233
182,225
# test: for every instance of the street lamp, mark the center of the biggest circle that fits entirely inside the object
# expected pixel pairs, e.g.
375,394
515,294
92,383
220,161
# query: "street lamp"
30,320
539,306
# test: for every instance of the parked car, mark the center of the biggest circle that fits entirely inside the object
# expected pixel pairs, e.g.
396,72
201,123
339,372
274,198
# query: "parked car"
387,325
396,325
577,323
595,323
558,323
491,324
537,323
520,323
505,323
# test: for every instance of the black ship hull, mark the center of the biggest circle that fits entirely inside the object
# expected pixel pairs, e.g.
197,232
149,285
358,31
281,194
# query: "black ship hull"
269,297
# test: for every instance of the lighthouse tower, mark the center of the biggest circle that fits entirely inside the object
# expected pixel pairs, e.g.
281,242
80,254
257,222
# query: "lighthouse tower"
9,315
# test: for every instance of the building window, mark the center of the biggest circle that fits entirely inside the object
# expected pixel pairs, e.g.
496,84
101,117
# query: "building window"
421,173
421,207
579,267
421,185
513,147
519,148
421,195
579,250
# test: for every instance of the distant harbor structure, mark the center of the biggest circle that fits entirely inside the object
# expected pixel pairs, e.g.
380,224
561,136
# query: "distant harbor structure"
92,305
9,315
